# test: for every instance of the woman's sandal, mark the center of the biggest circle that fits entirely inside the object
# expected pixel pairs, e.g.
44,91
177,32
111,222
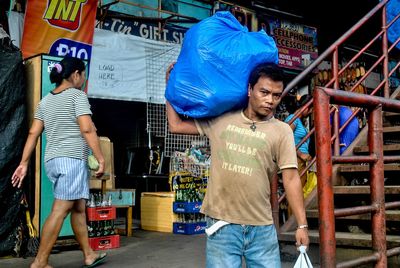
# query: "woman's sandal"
100,259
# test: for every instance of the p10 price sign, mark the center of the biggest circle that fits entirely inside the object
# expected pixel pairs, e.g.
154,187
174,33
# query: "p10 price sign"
59,28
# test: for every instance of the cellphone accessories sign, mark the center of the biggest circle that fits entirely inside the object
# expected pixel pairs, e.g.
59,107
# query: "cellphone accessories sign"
297,43
59,27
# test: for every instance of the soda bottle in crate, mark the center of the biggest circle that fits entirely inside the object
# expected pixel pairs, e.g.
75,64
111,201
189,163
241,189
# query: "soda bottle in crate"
100,221
189,223
189,173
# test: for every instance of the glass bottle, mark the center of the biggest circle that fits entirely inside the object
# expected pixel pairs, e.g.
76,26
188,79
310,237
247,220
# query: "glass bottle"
90,229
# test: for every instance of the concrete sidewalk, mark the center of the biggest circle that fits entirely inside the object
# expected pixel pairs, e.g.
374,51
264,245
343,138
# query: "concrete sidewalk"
152,250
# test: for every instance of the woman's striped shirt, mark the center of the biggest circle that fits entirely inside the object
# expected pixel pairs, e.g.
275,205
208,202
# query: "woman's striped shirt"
59,113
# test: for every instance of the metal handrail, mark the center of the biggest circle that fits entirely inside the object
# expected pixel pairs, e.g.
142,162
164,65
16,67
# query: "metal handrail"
333,50
324,96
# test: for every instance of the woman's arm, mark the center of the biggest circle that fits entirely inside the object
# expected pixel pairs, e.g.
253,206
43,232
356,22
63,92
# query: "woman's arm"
34,132
88,131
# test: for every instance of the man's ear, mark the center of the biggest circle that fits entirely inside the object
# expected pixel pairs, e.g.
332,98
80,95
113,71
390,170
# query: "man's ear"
248,90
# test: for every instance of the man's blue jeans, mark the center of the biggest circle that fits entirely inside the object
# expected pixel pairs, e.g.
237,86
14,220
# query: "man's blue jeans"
257,244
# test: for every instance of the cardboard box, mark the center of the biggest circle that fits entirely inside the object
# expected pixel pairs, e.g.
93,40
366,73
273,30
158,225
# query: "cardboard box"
108,151
156,211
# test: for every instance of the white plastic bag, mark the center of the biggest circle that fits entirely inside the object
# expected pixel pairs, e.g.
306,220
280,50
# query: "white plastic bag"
303,261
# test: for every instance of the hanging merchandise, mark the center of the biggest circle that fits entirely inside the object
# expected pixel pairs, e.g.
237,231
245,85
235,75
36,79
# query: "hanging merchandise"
33,242
211,73
347,78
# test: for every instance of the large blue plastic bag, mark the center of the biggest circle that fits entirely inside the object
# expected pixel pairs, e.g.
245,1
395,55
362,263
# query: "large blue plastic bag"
392,9
210,76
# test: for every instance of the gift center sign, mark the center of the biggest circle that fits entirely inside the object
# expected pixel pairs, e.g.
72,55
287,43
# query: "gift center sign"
148,30
59,28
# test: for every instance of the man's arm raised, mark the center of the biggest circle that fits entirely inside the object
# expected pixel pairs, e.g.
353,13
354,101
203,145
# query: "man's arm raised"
175,122
177,125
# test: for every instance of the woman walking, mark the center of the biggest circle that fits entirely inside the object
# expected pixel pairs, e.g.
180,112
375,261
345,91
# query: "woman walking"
65,116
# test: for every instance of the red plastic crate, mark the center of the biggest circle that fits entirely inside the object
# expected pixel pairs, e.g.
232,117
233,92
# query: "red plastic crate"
104,242
101,213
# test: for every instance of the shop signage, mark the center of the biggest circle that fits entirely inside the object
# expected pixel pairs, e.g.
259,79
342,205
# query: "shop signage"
243,15
59,28
128,67
146,30
297,43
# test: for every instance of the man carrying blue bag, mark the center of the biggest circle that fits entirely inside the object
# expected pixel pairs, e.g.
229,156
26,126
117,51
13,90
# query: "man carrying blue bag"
217,55
248,146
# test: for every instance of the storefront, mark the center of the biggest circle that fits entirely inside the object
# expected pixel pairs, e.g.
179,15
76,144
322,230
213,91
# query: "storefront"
132,47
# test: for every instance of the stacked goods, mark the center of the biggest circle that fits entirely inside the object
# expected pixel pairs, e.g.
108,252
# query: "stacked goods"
189,172
100,221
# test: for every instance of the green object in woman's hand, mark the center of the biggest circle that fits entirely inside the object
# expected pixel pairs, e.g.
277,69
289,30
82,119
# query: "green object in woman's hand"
93,163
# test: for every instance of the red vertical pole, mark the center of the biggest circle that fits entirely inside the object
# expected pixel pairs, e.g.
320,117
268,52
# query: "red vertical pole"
274,202
325,188
336,144
385,52
375,141
335,68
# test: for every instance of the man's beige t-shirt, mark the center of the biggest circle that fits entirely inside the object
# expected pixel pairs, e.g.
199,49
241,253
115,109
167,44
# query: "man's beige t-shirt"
243,163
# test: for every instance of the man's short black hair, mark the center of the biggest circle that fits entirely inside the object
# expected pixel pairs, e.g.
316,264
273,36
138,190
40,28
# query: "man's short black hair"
270,70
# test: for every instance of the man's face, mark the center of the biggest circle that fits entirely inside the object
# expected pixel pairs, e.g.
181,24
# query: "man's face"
264,97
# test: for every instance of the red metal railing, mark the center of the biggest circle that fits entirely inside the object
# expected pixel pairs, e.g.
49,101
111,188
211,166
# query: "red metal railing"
325,193
333,51
324,97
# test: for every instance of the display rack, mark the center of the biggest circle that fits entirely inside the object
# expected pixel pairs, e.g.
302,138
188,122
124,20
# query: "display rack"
157,61
189,172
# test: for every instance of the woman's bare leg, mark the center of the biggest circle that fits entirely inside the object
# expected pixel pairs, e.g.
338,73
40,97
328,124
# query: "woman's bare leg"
50,231
79,226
